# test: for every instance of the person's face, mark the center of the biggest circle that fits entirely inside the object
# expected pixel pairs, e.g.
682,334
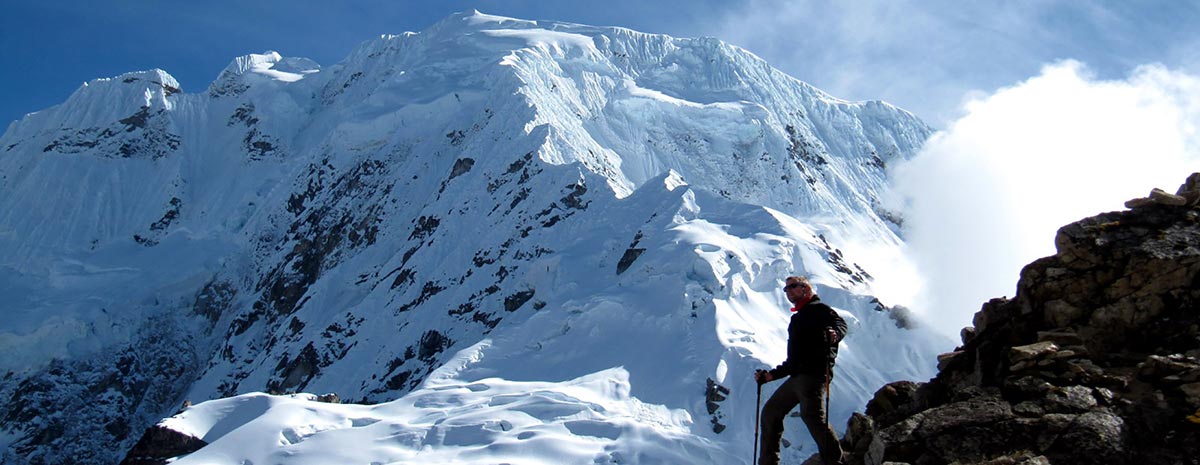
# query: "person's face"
797,291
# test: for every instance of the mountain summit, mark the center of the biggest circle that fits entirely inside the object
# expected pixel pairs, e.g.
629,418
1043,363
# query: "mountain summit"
528,227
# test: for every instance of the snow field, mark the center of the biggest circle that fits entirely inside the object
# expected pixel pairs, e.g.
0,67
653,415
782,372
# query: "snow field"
634,359
592,419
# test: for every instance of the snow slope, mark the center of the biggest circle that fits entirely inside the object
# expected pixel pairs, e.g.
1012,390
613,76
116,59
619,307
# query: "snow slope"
607,373
586,420
592,223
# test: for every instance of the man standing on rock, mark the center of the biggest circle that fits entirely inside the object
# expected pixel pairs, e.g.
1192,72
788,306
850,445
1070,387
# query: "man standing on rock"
813,337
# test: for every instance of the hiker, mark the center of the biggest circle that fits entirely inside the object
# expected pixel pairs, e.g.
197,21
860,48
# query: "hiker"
813,337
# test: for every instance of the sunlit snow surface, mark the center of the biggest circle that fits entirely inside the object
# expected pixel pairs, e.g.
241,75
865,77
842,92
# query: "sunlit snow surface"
442,175
609,373
591,419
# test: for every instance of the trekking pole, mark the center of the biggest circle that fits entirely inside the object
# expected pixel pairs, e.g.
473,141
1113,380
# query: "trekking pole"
757,410
828,393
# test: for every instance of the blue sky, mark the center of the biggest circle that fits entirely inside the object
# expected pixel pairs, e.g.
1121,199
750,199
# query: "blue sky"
924,56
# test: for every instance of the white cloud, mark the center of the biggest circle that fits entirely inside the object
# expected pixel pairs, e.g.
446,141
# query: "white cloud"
986,196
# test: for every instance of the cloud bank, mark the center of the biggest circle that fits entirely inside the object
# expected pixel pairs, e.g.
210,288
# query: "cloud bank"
986,196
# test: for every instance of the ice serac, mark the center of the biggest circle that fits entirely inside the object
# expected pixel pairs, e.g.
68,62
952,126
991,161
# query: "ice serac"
486,203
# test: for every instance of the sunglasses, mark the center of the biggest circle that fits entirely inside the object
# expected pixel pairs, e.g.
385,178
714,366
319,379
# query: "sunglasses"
792,286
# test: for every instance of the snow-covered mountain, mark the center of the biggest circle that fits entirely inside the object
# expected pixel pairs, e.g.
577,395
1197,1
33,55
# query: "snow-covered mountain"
532,242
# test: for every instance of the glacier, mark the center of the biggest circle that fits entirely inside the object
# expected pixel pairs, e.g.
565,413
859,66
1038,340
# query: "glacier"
491,233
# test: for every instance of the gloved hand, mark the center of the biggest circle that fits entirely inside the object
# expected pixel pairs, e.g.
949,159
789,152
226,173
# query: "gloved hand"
762,376
831,336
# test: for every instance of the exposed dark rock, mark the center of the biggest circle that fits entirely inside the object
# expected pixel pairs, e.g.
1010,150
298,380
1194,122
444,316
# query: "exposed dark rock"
168,90
344,217
144,134
406,276
631,254
835,257
432,343
143,240
398,381
259,146
296,373
295,326
1093,361
574,199
159,444
486,319
137,120
168,217
875,162
520,163
425,226
515,301
92,410
244,114
482,258
801,149
158,228
521,195
461,167
214,300
714,394
628,259
227,84
463,309
430,289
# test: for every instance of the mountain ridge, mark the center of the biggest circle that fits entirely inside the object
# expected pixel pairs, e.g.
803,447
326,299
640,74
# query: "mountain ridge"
350,228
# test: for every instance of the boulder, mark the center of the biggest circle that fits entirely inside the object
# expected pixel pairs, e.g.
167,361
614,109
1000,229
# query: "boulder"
1190,189
1032,351
1138,202
1160,196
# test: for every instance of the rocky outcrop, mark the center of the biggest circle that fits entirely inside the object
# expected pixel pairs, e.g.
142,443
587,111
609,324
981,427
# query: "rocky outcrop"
1095,360
160,444
1187,195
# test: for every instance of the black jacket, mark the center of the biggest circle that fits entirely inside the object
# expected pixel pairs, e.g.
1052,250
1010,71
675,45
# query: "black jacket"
808,350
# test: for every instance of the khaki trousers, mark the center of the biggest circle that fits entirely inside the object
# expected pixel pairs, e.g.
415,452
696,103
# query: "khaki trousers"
809,392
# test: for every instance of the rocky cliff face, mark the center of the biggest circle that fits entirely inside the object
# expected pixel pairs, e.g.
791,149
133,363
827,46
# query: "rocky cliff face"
1096,359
